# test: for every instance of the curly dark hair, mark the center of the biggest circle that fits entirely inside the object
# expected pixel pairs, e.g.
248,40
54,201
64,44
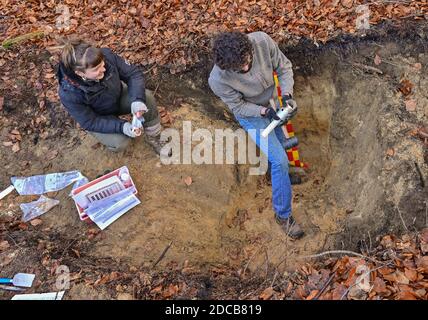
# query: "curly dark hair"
231,49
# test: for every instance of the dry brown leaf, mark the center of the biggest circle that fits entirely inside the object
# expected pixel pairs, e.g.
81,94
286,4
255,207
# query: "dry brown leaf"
158,289
266,294
390,152
23,226
411,105
49,75
339,291
52,155
171,291
417,66
16,147
347,3
412,275
405,295
15,132
4,245
77,253
422,264
424,248
188,181
423,235
7,143
377,60
312,294
1,103
405,87
36,222
379,286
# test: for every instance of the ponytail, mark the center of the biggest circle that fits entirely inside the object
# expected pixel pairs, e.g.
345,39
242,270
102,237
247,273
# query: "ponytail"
78,55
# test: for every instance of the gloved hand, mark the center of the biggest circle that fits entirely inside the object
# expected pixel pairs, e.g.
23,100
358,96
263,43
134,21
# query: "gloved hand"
290,101
271,114
130,131
138,108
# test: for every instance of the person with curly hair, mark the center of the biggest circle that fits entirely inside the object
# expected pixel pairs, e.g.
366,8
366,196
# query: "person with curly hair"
242,78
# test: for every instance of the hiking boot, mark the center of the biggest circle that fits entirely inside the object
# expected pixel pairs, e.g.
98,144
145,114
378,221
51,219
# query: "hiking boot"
290,227
295,179
158,145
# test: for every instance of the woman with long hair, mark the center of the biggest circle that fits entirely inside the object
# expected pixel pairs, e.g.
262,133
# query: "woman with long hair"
96,86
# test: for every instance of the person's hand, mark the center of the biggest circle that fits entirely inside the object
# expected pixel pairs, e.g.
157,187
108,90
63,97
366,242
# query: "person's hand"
138,108
130,131
270,113
292,103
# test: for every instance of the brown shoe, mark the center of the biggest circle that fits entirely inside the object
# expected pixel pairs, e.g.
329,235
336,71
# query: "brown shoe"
290,227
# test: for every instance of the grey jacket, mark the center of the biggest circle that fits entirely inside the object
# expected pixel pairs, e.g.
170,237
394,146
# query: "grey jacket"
246,94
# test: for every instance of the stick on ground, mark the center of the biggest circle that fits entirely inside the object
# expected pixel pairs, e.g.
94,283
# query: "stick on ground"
163,254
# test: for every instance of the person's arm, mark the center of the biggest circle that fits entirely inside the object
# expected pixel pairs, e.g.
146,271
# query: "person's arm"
133,77
282,66
233,99
88,119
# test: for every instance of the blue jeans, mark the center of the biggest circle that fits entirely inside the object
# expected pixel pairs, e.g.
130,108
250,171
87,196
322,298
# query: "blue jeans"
278,161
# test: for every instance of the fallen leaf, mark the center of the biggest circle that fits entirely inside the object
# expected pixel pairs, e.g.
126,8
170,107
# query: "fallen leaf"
23,226
1,103
417,66
96,146
158,289
411,105
405,87
188,181
52,155
363,281
422,264
16,132
423,235
355,293
347,3
36,222
16,147
390,152
171,291
49,75
424,248
379,286
8,143
266,294
4,245
398,277
312,294
339,291
412,275
405,295
377,60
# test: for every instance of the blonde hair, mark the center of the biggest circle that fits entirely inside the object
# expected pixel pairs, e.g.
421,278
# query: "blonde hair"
78,55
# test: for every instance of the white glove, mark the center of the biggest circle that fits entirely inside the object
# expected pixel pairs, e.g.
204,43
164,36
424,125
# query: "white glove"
138,106
128,130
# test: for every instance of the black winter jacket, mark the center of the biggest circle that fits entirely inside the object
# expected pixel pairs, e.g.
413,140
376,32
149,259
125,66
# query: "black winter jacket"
95,104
